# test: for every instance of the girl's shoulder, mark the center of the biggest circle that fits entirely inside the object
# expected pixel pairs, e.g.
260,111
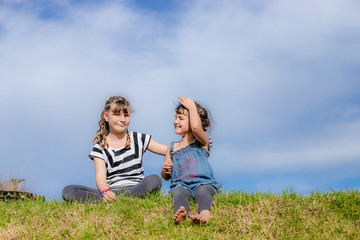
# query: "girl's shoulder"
197,144
97,151
138,138
138,134
97,146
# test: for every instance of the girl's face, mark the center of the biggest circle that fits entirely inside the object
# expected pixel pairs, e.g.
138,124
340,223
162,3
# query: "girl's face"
182,123
118,121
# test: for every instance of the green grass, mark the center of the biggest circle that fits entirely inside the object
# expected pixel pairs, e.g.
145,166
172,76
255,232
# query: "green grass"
237,215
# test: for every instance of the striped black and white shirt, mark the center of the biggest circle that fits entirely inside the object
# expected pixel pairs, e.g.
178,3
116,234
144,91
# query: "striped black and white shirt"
124,167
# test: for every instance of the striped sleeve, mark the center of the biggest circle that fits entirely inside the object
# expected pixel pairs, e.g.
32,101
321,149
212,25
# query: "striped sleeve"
145,140
96,152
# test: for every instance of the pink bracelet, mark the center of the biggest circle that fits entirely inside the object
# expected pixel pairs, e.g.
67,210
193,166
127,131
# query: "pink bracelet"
104,191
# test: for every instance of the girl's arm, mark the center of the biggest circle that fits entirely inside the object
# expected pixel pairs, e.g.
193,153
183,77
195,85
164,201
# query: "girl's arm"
156,147
195,121
167,166
160,149
100,175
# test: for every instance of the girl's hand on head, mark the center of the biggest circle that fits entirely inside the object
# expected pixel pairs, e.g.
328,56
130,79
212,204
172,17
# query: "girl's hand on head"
187,102
210,142
108,196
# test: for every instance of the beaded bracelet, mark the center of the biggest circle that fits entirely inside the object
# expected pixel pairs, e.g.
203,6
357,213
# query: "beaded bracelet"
104,191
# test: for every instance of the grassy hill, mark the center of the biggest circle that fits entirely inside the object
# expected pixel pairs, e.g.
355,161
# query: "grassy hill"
237,215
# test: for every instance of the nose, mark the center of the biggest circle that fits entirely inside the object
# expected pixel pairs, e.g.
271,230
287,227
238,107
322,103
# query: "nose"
122,118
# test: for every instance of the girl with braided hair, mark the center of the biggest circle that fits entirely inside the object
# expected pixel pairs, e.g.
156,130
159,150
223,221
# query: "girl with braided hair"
117,155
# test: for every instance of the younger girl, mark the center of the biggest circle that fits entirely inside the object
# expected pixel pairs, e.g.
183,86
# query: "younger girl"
117,155
186,163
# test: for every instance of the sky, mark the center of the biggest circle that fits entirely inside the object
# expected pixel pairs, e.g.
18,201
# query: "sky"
280,78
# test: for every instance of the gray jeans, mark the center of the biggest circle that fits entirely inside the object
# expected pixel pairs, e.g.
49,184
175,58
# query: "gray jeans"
82,194
203,197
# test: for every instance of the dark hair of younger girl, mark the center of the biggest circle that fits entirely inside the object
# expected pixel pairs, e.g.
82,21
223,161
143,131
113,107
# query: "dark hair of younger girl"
121,106
203,113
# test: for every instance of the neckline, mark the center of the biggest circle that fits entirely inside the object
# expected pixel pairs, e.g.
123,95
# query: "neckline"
183,147
121,148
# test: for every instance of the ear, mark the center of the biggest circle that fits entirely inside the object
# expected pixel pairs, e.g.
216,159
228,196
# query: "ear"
106,116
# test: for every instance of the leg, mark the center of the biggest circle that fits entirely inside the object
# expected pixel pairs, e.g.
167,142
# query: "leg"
203,197
82,194
181,198
149,184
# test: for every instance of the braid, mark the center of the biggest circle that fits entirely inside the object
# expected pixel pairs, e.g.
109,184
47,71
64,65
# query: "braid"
122,105
128,140
102,132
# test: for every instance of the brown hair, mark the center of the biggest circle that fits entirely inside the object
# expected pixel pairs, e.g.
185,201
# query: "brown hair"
203,114
122,106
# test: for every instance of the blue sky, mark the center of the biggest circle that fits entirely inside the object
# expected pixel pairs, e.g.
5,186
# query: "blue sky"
280,78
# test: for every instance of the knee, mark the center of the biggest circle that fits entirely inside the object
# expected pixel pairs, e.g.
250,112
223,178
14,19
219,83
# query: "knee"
204,190
156,181
180,191
67,191
175,191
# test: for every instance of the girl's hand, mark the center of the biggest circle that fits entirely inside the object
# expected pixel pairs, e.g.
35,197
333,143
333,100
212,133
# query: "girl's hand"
188,103
167,166
108,196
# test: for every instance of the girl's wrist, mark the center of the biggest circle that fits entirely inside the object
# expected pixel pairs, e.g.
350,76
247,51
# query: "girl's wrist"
103,192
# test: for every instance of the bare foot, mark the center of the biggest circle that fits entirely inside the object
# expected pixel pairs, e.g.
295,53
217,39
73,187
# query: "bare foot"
195,218
203,217
180,215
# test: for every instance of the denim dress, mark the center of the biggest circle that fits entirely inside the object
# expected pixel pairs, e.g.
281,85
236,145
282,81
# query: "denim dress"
191,167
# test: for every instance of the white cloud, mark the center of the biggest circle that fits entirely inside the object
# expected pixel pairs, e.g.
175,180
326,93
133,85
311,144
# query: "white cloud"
280,78
324,149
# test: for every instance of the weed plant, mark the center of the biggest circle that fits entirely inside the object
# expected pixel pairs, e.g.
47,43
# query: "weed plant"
236,215
12,184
